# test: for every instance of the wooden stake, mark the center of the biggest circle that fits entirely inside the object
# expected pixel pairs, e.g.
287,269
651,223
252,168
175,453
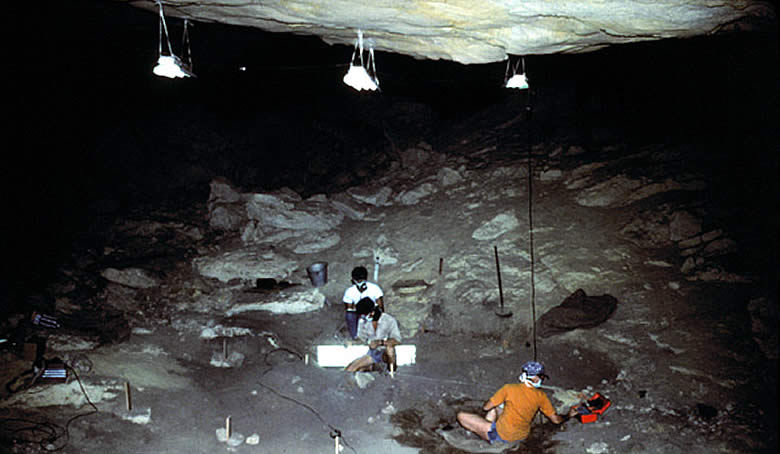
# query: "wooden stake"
228,429
336,449
441,264
224,348
392,370
128,401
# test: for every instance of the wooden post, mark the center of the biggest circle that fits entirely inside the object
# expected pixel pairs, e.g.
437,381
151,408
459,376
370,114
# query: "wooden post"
228,429
224,348
392,370
128,401
336,448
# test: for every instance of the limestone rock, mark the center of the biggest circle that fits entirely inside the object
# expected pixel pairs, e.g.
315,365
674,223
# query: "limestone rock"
688,265
349,206
711,235
223,192
285,302
414,195
448,177
377,196
236,439
213,332
763,323
226,217
720,247
225,207
614,191
482,32
683,225
496,227
234,359
277,211
130,277
648,229
363,379
315,242
248,264
414,158
622,190
550,175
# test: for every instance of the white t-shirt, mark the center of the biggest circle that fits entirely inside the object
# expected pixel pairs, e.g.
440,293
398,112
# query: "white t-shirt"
352,295
387,328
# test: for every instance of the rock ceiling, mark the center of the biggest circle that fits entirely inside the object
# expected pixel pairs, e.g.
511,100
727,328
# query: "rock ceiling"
469,31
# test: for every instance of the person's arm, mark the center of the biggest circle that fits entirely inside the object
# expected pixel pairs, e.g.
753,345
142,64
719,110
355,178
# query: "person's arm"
381,303
495,400
362,334
349,302
487,406
560,419
383,343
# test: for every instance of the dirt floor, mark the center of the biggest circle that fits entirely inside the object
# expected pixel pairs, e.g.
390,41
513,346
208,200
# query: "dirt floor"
677,360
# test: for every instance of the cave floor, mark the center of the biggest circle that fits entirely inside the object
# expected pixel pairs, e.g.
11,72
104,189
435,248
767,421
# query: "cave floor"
677,360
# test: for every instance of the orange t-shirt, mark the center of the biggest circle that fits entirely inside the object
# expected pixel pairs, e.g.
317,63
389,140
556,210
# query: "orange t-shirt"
520,405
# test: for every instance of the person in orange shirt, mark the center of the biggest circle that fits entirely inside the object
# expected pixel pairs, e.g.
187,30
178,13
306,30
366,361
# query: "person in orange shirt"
513,407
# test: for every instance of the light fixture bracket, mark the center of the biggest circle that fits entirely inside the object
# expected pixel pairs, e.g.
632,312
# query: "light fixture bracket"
169,65
358,77
515,80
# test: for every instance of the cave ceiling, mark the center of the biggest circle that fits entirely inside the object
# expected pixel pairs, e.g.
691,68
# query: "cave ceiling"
473,32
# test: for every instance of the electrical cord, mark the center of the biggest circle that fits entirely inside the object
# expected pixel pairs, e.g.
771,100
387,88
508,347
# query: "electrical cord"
531,222
51,432
334,432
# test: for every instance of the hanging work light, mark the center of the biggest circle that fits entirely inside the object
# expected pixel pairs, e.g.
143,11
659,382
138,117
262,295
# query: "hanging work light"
358,77
516,80
170,65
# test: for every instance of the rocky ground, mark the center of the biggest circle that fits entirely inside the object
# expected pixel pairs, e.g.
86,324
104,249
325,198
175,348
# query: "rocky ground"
205,311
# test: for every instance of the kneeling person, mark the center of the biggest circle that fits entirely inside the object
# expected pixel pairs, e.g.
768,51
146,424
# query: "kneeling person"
380,331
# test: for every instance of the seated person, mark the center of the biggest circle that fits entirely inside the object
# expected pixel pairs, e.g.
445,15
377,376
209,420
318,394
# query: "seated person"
380,331
512,408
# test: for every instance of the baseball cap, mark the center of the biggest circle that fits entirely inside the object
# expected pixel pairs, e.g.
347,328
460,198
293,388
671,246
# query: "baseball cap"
532,368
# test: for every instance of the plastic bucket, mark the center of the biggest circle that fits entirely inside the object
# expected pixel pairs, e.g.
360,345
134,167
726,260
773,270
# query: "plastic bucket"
318,273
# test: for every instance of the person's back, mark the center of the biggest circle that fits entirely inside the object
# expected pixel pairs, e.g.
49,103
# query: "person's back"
386,328
521,403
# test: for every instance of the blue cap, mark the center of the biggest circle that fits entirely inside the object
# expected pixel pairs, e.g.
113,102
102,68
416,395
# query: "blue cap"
532,368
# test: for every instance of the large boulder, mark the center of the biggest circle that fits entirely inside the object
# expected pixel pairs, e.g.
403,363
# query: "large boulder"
247,264
286,211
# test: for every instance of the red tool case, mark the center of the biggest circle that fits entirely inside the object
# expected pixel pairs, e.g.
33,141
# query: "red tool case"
594,407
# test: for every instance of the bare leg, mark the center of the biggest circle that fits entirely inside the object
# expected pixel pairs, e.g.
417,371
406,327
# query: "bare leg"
361,364
475,423
390,351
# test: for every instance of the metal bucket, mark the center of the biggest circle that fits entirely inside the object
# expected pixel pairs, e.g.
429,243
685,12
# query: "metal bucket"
318,273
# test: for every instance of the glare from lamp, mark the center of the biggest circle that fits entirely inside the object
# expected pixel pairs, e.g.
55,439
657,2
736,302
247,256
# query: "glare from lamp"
357,77
517,81
170,66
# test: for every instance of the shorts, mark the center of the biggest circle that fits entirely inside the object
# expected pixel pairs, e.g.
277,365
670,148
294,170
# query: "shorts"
377,354
493,434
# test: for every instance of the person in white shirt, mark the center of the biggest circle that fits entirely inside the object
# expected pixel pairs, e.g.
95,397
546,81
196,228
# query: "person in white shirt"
380,331
360,289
